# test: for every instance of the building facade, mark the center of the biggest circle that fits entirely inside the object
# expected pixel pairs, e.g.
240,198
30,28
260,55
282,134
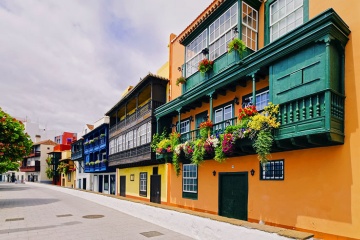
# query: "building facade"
300,55
34,166
96,147
132,124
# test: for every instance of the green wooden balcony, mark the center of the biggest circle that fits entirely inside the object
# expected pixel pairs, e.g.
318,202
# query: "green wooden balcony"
220,64
305,68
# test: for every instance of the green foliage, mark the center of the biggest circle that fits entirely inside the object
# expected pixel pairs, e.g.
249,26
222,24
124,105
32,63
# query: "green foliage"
237,45
180,80
64,167
262,145
199,152
175,161
232,128
49,172
14,142
219,154
204,132
157,138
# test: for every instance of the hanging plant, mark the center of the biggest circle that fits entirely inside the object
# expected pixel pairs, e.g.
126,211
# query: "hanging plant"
205,65
180,80
237,45
49,172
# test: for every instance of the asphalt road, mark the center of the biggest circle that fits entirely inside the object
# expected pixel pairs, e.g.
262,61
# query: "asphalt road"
35,212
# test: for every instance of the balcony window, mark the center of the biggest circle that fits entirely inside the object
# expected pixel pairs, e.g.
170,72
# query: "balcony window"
220,32
262,100
285,15
111,144
193,53
249,26
119,143
148,136
184,126
223,114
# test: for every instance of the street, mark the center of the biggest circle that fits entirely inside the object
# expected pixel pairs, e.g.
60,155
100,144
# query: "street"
34,212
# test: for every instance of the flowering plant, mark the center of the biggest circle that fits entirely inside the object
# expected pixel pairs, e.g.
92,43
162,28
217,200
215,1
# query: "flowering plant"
205,128
205,65
237,45
247,112
210,144
228,144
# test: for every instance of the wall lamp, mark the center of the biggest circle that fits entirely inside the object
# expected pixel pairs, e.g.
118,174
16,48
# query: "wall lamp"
235,30
172,125
179,69
206,118
205,51
247,102
252,172
191,118
214,173
236,100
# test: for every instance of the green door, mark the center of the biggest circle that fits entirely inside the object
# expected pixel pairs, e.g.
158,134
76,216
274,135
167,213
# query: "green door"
233,195
199,118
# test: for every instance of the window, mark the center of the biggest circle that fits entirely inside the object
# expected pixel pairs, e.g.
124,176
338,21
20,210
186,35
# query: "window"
285,15
272,170
143,184
221,115
220,32
148,132
262,99
81,163
249,26
69,176
106,182
190,180
119,142
135,136
143,134
184,126
112,146
193,53
131,140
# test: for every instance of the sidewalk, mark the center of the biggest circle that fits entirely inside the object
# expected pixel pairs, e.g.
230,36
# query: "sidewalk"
193,224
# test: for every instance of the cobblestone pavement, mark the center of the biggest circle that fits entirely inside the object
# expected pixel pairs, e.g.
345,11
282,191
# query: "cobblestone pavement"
35,212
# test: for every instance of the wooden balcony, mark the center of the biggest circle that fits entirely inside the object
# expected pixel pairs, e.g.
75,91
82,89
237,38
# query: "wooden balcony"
35,168
133,155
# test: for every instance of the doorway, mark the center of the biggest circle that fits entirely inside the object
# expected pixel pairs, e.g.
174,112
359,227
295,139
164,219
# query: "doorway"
100,183
123,186
155,188
233,195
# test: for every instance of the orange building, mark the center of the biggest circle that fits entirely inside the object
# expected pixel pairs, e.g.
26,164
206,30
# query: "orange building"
301,55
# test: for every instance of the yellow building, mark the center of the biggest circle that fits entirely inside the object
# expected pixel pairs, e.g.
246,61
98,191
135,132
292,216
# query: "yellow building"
66,169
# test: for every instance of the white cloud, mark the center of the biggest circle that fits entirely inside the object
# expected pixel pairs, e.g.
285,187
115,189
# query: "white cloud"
65,63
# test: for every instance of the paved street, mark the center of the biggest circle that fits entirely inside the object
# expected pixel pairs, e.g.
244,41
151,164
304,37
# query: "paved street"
41,211
35,212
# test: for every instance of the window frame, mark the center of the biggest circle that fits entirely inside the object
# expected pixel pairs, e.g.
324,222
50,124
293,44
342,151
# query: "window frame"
267,18
187,193
143,183
258,92
273,178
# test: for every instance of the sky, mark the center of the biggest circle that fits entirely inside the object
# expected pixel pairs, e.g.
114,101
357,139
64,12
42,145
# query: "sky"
65,63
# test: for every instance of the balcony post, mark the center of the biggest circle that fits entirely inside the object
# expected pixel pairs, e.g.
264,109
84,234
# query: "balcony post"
157,124
179,119
253,90
211,106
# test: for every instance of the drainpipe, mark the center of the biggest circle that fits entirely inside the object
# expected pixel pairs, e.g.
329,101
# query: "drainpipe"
253,90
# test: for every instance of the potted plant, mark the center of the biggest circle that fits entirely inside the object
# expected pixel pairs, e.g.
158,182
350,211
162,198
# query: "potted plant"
205,65
92,163
237,45
102,135
97,162
180,80
205,128
104,161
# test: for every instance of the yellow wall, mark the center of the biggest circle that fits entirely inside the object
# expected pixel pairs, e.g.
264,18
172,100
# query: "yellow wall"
321,188
132,187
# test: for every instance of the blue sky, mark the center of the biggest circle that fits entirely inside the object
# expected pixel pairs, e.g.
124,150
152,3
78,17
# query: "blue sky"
65,63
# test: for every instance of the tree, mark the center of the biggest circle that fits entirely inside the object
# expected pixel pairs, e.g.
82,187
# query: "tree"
15,144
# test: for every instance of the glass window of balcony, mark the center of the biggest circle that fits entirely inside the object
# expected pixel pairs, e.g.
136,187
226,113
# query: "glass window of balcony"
148,132
184,126
249,26
285,15
220,32
262,100
119,142
193,53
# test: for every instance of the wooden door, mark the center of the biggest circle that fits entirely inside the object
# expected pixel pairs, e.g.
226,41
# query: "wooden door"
155,188
123,186
233,195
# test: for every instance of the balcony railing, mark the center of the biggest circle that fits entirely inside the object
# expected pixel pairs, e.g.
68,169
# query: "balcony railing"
137,116
132,155
76,155
218,128
220,64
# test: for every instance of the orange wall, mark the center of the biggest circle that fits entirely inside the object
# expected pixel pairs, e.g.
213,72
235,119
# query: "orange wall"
321,189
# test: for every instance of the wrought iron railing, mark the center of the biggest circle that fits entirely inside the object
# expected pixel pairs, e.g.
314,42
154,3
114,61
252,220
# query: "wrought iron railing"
133,152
